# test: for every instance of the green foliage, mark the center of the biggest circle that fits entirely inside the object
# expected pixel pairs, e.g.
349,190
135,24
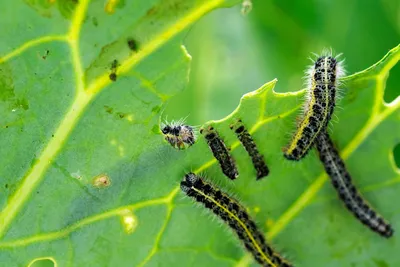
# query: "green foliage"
87,179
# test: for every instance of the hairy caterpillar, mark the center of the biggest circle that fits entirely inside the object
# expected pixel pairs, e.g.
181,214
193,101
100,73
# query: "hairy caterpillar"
234,215
341,180
178,134
220,152
251,148
323,79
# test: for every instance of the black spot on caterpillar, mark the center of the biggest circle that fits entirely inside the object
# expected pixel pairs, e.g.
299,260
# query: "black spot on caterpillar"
178,134
323,81
113,74
132,44
233,214
341,180
220,152
251,148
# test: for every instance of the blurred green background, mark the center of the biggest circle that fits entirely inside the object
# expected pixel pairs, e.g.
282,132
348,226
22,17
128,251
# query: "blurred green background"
238,53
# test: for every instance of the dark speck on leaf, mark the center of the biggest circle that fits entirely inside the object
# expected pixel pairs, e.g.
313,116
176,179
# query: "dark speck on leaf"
113,74
108,109
151,11
114,64
133,45
113,77
95,21
46,54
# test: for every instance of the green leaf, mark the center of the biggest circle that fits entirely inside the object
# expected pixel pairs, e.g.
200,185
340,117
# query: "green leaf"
77,149
89,180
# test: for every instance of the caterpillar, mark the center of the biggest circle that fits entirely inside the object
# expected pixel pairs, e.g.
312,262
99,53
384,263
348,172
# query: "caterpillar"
348,193
220,152
323,79
248,143
235,216
178,135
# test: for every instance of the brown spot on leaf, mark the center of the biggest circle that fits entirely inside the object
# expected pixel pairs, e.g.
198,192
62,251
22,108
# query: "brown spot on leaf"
151,11
46,53
109,109
101,181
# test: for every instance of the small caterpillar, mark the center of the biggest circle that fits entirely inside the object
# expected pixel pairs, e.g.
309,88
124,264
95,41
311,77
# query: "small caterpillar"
251,148
323,79
341,180
234,215
178,134
220,152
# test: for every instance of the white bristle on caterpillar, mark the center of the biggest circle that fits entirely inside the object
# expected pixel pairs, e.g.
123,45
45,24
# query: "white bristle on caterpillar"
322,80
178,134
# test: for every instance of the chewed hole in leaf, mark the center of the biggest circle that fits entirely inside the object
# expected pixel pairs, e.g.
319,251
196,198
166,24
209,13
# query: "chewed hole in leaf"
396,155
43,262
392,85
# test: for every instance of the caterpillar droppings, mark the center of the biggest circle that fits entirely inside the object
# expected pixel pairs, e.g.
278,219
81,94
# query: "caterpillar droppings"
251,148
132,44
113,74
323,78
220,152
235,216
348,193
178,134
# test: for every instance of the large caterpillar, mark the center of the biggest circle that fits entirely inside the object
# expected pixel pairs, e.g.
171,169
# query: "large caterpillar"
341,180
323,81
233,214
